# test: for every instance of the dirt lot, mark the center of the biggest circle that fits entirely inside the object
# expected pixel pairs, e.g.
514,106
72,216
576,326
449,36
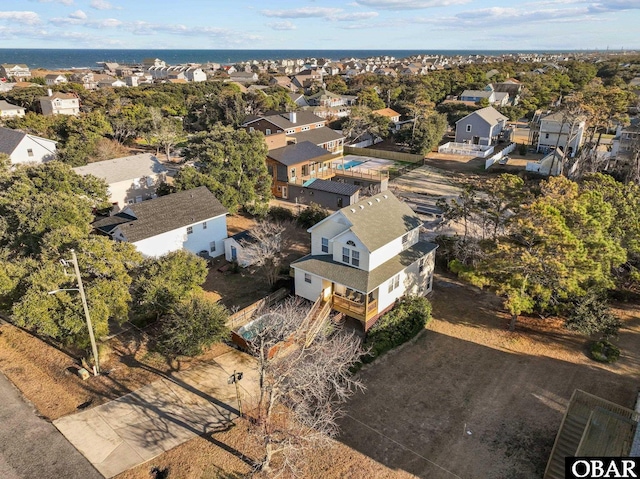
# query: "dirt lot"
469,399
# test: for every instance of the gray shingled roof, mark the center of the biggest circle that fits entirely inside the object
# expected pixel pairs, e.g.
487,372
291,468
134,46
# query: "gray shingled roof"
282,120
488,114
6,106
9,140
167,213
299,153
333,187
380,219
358,279
125,168
317,136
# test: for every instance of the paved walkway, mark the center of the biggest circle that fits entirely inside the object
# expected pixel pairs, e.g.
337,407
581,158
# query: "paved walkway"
31,447
135,428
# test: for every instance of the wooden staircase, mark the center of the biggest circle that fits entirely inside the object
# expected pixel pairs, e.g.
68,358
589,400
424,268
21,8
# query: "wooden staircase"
316,318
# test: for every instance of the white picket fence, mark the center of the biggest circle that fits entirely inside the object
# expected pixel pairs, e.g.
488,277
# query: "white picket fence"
498,156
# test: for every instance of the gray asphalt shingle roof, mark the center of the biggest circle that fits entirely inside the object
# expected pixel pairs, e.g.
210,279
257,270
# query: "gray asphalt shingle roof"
6,106
333,187
283,120
125,168
167,213
317,136
488,114
299,153
380,219
10,139
358,279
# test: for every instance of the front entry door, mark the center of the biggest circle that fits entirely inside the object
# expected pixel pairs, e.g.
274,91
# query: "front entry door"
284,192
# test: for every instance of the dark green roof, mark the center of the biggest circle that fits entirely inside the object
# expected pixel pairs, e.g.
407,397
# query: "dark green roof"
358,279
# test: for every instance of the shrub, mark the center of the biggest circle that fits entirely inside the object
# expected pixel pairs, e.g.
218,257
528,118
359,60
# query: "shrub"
605,352
522,149
312,214
280,214
591,315
396,327
191,326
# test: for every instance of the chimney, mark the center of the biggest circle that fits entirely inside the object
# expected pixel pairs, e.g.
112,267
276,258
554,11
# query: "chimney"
49,92
292,116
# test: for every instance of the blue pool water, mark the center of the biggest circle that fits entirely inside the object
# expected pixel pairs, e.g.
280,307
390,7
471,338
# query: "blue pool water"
349,164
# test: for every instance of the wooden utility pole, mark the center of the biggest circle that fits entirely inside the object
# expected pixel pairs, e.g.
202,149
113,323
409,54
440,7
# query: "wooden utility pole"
94,348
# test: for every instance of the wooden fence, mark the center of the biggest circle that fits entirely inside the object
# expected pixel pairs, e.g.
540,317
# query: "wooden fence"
242,317
384,154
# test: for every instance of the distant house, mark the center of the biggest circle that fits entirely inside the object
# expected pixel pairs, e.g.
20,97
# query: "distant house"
288,122
131,179
493,97
554,130
111,82
24,148
55,79
481,127
551,165
364,257
392,115
193,220
510,86
244,77
60,104
86,79
7,110
14,70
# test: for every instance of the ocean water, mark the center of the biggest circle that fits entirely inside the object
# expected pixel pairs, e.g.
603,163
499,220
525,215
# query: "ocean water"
67,58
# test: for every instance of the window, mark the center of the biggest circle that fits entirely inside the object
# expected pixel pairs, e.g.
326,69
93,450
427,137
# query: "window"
405,238
546,136
149,181
351,243
468,128
325,245
305,170
138,199
267,131
394,283
421,267
204,225
189,230
355,257
30,152
251,129
212,246
307,278
345,255
293,172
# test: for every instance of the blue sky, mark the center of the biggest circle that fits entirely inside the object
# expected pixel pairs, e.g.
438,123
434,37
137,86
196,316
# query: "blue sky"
321,24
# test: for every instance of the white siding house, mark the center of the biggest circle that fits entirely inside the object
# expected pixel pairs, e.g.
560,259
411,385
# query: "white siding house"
131,179
364,257
60,104
193,220
24,148
7,110
558,131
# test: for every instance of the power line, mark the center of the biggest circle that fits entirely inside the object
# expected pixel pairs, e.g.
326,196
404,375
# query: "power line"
404,447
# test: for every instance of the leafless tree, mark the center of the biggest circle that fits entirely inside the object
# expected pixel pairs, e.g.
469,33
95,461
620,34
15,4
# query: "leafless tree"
304,378
265,248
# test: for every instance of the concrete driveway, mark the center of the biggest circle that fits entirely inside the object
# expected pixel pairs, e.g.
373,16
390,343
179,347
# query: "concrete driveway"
135,428
32,447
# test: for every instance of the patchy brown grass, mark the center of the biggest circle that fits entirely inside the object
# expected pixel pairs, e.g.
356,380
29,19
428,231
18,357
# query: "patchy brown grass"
45,374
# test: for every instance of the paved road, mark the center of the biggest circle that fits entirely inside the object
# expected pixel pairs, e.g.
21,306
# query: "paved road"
31,447
135,428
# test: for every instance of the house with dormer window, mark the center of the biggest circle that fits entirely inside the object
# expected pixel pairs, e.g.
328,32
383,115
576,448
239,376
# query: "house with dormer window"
364,257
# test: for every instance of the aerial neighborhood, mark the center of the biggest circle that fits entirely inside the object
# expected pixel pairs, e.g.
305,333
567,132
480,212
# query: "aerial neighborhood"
412,267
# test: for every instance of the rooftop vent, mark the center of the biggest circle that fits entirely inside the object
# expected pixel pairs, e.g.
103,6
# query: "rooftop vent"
353,210
369,203
378,200
361,207
385,196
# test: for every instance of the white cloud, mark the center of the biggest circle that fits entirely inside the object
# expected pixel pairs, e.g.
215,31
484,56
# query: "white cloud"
409,4
101,5
286,25
64,2
25,17
305,12
79,14
348,17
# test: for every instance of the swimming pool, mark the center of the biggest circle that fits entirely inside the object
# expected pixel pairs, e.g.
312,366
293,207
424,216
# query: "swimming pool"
349,164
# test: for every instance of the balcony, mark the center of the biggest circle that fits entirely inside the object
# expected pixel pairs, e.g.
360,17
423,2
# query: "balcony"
357,306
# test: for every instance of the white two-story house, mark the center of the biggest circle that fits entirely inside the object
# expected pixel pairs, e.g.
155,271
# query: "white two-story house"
193,220
60,104
364,257
24,148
